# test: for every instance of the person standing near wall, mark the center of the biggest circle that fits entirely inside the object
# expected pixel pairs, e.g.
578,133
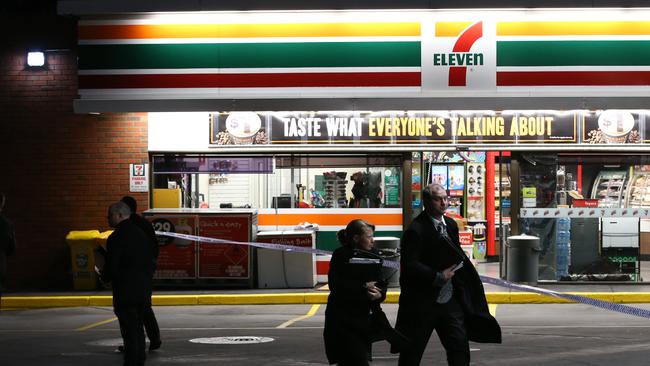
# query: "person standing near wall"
7,244
128,268
149,319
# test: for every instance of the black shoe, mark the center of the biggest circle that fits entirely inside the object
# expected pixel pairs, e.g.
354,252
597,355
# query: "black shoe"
154,345
120,349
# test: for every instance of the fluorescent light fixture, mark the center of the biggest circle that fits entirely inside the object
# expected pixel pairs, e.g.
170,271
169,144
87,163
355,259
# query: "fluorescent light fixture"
35,58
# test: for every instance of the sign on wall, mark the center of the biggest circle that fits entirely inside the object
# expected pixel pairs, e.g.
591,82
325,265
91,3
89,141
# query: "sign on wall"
444,127
138,177
470,53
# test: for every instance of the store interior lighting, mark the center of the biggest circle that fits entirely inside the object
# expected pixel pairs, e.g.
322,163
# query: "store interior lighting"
35,59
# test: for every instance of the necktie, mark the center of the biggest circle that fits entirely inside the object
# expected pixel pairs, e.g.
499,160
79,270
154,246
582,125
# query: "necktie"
447,290
442,230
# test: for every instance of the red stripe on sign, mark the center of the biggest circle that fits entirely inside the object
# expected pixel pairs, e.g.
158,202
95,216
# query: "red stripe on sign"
458,75
570,78
334,79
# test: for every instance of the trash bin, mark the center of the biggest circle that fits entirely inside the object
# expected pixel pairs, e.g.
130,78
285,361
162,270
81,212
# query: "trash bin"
82,245
388,247
522,259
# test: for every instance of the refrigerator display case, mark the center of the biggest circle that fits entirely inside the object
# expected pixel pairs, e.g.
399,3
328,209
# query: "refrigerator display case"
638,190
609,188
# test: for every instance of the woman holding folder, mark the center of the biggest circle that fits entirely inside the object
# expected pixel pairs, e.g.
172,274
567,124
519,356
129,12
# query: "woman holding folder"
354,318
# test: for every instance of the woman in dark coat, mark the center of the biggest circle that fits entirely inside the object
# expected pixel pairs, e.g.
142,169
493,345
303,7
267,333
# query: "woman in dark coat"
353,318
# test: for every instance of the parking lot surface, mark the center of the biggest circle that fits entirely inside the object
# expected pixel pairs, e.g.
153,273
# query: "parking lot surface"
542,334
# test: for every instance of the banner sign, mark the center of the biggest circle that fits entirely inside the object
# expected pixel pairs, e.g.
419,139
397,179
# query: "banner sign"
582,212
615,126
394,127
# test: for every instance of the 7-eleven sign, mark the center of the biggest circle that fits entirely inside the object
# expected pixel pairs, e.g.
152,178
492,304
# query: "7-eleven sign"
138,177
459,55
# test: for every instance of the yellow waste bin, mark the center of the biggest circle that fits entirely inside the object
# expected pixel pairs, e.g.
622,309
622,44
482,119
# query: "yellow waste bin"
82,245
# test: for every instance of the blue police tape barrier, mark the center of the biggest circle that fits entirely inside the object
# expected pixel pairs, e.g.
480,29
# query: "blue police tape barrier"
607,305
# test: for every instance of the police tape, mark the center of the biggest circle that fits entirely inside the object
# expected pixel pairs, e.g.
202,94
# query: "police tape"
606,305
272,246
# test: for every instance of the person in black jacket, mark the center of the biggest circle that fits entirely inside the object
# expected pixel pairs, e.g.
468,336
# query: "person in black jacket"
440,288
128,268
150,322
353,317
7,244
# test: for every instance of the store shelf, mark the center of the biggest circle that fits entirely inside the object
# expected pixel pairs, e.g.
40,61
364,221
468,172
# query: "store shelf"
608,188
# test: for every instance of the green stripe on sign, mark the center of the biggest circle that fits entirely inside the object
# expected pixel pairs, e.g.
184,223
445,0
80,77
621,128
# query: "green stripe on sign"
573,53
326,240
248,55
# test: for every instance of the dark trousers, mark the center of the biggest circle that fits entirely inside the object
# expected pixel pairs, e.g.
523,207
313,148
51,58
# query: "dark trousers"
131,327
449,322
151,325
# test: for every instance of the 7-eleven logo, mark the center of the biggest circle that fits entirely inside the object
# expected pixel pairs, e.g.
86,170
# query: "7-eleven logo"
460,57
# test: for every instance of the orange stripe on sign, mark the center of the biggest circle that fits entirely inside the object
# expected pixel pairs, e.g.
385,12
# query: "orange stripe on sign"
328,219
622,28
387,29
451,29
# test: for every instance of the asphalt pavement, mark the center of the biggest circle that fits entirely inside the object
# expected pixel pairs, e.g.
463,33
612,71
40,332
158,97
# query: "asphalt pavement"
291,335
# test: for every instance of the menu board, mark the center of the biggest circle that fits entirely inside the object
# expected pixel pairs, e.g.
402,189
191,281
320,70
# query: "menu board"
224,260
177,259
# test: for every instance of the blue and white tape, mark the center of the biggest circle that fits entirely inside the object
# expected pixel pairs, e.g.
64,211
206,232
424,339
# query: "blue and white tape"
607,305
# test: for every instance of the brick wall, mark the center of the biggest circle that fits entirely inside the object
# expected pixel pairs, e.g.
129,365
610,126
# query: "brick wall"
59,170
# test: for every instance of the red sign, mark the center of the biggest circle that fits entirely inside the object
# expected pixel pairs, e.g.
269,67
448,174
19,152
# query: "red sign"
224,260
177,258
465,237
304,241
585,203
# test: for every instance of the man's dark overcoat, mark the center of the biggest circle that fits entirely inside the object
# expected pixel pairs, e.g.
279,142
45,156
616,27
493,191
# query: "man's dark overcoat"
128,265
424,252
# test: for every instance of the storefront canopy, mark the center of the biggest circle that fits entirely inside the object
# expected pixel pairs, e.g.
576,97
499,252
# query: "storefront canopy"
365,60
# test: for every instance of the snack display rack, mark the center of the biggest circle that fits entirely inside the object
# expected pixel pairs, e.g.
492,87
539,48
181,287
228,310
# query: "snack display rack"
638,191
609,188
335,189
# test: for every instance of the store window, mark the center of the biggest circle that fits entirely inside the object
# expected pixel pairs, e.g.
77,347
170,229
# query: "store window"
278,181
602,235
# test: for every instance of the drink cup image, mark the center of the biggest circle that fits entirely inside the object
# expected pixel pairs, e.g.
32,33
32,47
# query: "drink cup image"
243,126
615,125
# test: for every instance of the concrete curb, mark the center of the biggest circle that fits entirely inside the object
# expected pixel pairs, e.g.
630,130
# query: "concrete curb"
31,302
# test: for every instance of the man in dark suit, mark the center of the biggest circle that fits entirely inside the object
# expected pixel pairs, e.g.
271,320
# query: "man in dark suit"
150,323
436,292
128,267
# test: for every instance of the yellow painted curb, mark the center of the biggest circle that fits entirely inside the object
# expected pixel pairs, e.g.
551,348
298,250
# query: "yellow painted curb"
100,300
171,300
43,301
320,297
251,299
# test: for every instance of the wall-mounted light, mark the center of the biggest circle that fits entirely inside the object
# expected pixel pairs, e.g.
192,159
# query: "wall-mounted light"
35,59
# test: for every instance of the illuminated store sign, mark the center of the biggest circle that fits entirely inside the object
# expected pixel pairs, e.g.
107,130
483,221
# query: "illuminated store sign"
248,128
